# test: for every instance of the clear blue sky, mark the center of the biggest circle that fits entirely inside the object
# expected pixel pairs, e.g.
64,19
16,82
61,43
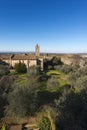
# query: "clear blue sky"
56,25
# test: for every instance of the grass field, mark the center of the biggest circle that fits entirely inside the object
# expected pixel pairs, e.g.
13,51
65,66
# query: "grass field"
22,78
61,76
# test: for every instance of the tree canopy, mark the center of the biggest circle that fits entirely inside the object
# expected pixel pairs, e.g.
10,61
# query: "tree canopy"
20,68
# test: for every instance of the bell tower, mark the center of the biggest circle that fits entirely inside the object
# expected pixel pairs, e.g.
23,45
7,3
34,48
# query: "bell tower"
37,50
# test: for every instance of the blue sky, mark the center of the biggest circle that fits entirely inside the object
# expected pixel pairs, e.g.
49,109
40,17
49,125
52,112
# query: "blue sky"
56,25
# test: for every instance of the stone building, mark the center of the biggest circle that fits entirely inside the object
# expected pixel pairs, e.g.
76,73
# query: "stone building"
28,59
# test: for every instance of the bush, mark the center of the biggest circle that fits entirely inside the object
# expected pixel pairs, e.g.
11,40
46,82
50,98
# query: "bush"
72,111
56,61
4,70
3,127
53,83
23,99
22,102
45,124
64,68
20,68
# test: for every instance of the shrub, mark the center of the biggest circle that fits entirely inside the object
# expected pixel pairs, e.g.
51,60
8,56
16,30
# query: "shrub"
53,83
20,68
44,124
3,127
4,70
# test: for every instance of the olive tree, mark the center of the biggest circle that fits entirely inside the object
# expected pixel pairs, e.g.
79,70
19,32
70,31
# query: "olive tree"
22,100
20,68
53,83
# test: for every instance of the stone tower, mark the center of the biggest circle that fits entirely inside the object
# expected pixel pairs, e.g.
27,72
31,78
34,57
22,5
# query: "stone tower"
37,50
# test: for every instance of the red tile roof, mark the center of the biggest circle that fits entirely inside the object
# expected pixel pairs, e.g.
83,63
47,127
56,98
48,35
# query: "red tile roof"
20,57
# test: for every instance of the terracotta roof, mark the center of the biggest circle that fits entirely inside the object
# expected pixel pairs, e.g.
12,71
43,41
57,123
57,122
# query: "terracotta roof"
20,57
5,57
25,57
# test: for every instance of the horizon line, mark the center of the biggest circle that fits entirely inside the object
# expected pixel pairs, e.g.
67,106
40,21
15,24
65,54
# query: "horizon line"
43,52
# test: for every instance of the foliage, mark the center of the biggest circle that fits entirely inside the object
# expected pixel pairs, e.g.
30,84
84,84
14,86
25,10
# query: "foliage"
33,71
3,127
3,63
49,64
5,88
21,79
64,68
72,111
4,70
2,105
78,78
60,77
72,105
44,124
72,79
53,83
53,72
22,100
20,68
56,61
33,78
46,118
6,84
25,96
81,83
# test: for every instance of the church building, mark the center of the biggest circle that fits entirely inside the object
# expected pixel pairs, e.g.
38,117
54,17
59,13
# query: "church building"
28,59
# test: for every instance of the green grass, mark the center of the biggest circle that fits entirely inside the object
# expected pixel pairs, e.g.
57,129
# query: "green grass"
47,96
53,72
61,76
12,72
22,78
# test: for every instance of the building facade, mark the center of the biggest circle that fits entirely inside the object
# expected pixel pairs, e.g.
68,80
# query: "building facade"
27,59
